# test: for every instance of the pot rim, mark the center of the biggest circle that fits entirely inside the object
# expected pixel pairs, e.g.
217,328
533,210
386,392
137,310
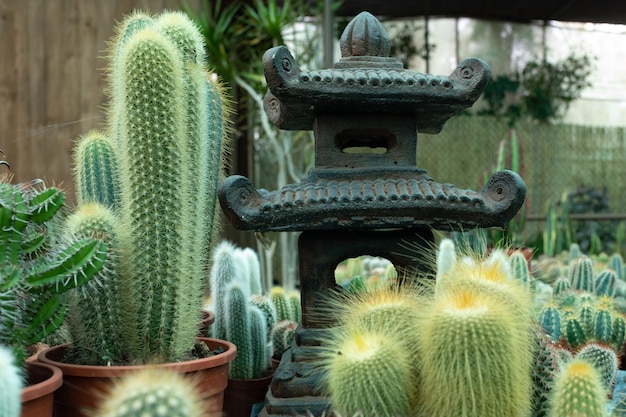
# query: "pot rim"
47,386
214,361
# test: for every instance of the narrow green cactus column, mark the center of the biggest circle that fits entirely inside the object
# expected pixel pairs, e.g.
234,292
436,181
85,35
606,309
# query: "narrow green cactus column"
581,274
101,313
238,331
96,170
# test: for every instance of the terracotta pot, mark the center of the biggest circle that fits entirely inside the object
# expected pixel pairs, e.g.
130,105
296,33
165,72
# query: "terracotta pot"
208,318
37,397
245,397
84,386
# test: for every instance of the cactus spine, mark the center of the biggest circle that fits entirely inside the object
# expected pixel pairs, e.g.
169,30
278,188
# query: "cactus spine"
550,321
153,392
10,384
578,391
279,298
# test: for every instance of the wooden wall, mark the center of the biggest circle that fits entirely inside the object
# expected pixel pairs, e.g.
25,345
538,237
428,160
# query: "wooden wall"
51,78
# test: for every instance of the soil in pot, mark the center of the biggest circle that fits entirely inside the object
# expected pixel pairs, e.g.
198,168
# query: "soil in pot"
37,397
84,386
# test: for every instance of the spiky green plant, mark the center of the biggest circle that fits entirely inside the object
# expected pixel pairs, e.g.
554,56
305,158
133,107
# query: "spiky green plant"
279,298
96,170
545,367
10,384
38,264
604,359
578,391
368,372
103,330
604,283
282,336
168,120
519,267
152,393
616,263
486,370
550,321
581,274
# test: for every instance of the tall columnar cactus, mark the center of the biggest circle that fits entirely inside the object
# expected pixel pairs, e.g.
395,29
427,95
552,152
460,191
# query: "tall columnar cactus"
295,305
96,170
368,372
604,359
100,323
581,274
476,355
225,270
619,332
168,121
578,391
263,303
38,265
151,393
574,252
246,327
603,325
10,384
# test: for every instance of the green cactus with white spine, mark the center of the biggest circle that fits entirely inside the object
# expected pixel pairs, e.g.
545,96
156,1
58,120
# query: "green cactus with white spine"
616,263
295,305
10,384
96,170
562,287
169,148
101,316
545,367
238,331
152,393
279,298
282,335
602,325
367,372
519,267
619,332
604,359
491,345
263,303
581,274
240,317
550,321
578,391
604,283
39,263
574,333
574,252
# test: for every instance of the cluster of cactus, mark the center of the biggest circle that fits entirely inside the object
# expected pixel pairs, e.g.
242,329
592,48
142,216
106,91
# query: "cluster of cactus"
243,315
39,263
148,185
153,392
482,305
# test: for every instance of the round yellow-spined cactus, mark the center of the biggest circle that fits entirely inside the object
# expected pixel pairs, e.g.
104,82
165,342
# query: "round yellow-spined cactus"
153,393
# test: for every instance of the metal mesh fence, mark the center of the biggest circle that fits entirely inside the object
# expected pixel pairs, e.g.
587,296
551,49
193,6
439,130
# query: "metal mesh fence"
554,159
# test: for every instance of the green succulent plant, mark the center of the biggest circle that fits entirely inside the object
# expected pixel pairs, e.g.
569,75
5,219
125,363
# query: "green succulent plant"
39,264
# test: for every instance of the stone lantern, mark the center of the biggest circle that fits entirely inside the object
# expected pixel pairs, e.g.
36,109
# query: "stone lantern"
365,194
